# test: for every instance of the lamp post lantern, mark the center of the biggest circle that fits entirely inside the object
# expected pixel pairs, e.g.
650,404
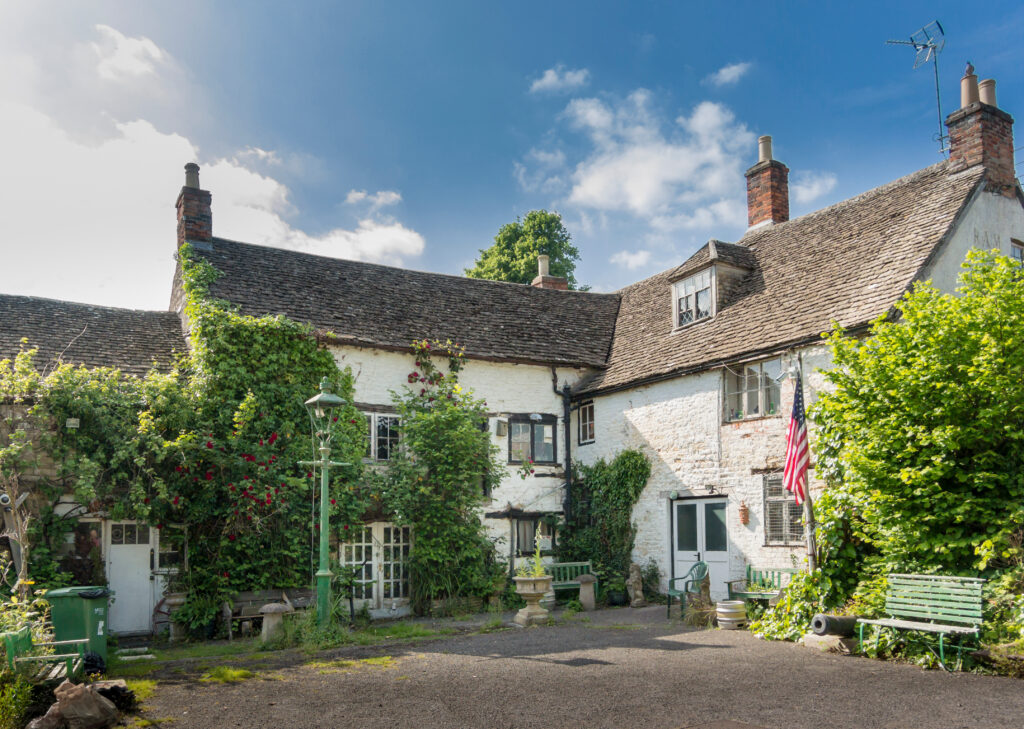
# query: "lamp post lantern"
320,407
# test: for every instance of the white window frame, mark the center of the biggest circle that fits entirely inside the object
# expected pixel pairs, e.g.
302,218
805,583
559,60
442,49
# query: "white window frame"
777,499
1017,250
751,380
586,430
685,294
372,441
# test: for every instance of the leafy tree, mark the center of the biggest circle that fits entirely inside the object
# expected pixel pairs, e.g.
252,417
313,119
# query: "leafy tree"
513,257
923,435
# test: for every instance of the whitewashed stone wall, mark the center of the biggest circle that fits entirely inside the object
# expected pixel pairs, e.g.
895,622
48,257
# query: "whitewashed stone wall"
679,425
507,388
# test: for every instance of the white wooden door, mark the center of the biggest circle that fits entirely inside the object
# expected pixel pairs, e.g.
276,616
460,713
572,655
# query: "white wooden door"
378,552
702,534
129,573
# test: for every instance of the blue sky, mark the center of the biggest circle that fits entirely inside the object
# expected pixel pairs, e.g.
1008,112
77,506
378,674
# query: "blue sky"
407,133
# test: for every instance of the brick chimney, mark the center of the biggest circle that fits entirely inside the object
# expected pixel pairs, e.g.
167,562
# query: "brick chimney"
544,278
195,220
982,134
767,187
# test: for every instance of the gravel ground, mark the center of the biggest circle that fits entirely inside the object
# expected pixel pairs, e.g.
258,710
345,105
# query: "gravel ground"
615,668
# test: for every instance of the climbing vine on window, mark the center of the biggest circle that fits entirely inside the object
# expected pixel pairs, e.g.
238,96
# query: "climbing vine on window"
436,479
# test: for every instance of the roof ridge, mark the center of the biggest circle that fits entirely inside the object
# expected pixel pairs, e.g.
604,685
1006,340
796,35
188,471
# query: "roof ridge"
370,264
83,304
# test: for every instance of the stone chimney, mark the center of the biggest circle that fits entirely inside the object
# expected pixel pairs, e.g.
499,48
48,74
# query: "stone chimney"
195,219
767,187
544,278
982,134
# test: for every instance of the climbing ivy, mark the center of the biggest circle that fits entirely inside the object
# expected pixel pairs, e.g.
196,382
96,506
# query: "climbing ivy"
436,481
212,446
601,528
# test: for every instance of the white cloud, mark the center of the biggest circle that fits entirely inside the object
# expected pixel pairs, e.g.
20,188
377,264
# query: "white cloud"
121,57
631,259
560,78
683,175
809,186
92,169
728,75
376,200
542,171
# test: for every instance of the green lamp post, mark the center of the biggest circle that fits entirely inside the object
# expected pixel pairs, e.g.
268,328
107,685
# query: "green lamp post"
320,407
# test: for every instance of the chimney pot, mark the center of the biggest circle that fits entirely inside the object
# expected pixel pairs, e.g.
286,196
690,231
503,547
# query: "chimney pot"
764,148
544,279
987,92
968,90
543,263
767,187
192,175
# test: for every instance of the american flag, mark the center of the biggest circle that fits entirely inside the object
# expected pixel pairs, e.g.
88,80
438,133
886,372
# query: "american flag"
797,449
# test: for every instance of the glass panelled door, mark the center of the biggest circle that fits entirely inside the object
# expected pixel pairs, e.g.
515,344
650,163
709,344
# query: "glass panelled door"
701,533
378,553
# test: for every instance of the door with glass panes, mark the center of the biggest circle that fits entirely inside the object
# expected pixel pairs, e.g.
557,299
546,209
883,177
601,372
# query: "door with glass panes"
378,553
700,533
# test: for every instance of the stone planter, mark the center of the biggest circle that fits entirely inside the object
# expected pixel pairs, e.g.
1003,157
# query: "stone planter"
532,589
172,602
732,614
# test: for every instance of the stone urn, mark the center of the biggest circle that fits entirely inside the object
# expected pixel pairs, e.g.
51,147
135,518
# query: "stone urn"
172,602
532,589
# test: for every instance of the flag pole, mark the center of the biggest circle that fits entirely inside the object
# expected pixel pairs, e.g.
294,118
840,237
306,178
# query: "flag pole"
809,524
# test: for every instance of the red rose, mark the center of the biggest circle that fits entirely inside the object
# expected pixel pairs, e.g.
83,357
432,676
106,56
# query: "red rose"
309,474
159,526
231,486
345,527
209,444
175,500
335,420
178,469
224,574
231,537
333,502
261,441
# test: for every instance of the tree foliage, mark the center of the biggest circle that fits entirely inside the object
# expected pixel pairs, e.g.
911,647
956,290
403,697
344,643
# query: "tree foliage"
923,434
436,481
513,257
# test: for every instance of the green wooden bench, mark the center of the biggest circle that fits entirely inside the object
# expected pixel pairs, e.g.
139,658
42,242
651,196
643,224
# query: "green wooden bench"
56,667
565,574
941,604
761,583
691,582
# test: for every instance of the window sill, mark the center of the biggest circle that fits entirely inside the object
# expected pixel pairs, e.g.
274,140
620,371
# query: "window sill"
788,545
587,442
752,418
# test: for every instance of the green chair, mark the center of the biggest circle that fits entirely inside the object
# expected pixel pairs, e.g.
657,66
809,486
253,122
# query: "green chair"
690,582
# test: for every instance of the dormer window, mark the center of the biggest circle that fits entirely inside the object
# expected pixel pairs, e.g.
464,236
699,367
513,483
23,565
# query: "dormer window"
693,298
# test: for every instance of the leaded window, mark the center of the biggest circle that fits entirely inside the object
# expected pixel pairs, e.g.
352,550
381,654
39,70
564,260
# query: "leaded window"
693,298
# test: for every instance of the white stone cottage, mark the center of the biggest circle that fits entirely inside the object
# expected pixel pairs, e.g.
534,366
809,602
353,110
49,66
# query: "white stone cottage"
685,366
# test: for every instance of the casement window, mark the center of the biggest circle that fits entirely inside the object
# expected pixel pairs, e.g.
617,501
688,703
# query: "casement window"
586,423
532,438
693,300
381,436
526,534
1017,251
783,519
752,390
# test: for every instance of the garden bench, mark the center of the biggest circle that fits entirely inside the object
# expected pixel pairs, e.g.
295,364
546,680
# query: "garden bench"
56,666
932,604
691,584
761,583
245,606
565,574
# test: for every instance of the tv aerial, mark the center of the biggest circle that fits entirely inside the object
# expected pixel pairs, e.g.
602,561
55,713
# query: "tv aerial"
927,43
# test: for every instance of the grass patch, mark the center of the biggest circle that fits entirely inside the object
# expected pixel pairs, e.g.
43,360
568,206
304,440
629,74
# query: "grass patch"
140,722
379,662
131,669
493,625
208,650
142,688
227,674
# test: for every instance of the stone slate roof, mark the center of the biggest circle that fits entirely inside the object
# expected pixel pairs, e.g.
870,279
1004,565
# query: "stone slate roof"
95,336
849,262
372,305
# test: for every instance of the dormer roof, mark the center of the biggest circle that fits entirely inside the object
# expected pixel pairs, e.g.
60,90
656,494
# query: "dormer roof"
715,251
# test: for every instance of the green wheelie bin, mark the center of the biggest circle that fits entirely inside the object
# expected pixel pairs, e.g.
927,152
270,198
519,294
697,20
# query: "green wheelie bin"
81,612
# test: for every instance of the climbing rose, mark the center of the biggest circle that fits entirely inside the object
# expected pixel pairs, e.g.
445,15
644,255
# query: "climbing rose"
333,501
209,444
231,536
175,500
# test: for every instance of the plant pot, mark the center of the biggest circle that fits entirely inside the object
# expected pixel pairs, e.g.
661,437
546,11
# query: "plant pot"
732,614
616,598
172,602
532,589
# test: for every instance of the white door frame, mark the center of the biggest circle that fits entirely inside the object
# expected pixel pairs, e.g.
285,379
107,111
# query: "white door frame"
718,560
378,586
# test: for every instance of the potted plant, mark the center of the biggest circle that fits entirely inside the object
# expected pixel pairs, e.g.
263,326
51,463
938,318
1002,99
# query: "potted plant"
532,582
616,591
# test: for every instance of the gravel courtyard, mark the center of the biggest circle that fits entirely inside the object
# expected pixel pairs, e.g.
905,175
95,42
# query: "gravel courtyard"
616,668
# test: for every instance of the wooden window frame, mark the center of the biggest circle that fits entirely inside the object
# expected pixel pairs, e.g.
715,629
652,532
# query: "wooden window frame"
679,294
790,509
765,383
551,420
580,430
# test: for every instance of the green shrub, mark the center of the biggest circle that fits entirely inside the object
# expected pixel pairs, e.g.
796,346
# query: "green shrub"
806,595
15,701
